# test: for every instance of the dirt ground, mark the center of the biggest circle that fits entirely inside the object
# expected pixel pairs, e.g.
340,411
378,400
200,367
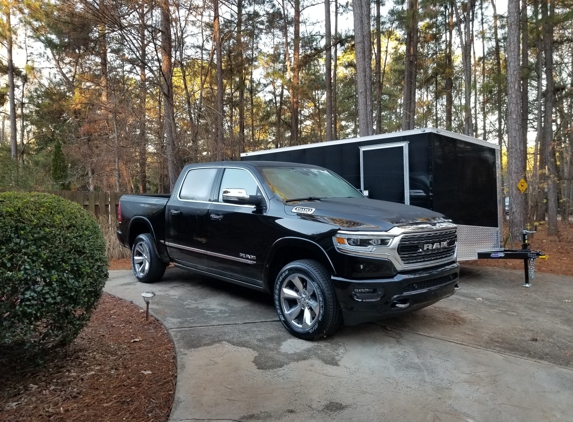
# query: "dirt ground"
122,367
559,251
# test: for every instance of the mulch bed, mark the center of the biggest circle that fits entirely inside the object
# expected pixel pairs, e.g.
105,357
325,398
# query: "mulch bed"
120,368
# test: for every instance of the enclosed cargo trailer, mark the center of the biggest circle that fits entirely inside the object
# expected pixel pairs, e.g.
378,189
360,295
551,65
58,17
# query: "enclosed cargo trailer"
456,175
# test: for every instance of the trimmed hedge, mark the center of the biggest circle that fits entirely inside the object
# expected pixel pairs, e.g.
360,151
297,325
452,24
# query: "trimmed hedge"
53,267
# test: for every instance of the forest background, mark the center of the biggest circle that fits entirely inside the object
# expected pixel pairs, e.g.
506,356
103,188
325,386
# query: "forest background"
118,95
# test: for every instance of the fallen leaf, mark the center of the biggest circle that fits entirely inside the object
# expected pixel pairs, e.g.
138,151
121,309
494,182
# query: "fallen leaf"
135,340
146,372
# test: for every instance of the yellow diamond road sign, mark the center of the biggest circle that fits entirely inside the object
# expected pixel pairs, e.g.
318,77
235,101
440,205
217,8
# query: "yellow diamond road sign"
522,185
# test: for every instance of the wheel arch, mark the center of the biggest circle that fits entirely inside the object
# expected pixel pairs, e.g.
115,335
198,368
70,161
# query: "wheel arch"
141,225
291,249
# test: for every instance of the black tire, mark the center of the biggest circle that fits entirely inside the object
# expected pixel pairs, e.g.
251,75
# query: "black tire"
146,264
305,300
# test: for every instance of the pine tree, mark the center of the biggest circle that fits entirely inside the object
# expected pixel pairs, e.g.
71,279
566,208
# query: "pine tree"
59,168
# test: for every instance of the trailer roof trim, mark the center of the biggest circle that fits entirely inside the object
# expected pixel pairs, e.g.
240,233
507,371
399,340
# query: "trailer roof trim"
375,137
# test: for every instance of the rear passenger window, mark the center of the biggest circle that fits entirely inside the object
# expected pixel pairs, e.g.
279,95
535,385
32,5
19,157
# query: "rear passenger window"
198,184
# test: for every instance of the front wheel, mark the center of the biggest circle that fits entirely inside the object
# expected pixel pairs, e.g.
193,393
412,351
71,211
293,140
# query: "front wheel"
305,300
146,264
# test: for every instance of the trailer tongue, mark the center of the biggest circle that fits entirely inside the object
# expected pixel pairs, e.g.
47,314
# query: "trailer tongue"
525,253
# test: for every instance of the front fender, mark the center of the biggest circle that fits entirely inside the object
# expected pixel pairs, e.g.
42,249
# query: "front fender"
288,249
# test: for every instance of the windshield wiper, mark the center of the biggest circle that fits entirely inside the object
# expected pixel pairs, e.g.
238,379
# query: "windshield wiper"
308,198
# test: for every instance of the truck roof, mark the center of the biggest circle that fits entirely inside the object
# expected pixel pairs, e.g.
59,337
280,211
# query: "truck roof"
251,164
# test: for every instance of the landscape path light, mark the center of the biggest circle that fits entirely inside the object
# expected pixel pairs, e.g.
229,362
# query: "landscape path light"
147,296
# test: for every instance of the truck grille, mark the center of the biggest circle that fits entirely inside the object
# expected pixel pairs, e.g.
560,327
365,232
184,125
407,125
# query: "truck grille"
426,247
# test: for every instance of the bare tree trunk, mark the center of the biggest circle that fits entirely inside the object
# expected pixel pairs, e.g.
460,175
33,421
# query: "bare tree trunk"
167,91
278,112
289,77
142,144
411,67
24,81
548,121
568,159
449,84
538,205
361,12
498,78
220,93
251,91
386,54
11,84
524,77
525,95
378,70
242,77
108,110
334,74
328,65
515,156
294,90
203,75
483,101
474,84
116,139
466,42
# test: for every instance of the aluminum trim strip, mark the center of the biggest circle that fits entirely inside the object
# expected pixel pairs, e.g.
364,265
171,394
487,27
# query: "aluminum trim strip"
215,254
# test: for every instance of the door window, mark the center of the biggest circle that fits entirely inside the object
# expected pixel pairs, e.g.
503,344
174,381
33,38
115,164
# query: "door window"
238,179
198,184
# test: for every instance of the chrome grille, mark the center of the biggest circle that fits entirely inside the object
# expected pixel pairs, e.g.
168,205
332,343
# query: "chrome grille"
426,247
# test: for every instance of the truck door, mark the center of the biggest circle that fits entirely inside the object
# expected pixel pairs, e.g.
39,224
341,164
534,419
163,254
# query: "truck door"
236,233
384,172
186,217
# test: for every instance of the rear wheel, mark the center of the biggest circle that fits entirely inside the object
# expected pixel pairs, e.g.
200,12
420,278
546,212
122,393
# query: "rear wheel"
146,264
305,300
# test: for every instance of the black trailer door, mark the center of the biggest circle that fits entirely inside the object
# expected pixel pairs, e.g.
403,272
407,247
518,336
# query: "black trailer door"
384,172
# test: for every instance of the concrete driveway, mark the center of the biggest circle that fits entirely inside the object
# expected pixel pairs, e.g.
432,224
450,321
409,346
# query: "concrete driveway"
495,351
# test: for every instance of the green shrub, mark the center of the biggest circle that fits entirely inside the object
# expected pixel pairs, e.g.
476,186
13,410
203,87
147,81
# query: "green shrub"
53,267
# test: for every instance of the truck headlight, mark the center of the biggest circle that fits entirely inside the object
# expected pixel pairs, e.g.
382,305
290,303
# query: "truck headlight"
360,243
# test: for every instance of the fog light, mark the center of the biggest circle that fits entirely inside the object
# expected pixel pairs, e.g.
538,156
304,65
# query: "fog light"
363,290
365,294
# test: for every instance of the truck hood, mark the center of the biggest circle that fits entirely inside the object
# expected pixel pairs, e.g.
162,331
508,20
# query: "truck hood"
362,213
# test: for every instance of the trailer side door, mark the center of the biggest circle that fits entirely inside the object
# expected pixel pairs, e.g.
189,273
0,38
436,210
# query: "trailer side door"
384,172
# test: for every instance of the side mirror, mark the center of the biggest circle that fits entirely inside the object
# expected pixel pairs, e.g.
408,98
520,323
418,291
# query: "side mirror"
240,196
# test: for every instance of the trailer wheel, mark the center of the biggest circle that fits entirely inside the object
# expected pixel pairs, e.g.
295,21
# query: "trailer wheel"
305,300
146,264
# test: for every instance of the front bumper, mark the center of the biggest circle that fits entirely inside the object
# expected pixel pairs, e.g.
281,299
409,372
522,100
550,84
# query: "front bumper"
371,300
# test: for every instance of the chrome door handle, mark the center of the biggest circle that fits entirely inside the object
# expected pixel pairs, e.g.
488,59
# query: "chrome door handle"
175,212
216,217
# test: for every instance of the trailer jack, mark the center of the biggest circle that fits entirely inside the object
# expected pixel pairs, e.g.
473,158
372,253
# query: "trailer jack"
525,253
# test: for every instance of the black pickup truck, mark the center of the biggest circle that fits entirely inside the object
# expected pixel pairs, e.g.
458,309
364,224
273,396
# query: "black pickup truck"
324,252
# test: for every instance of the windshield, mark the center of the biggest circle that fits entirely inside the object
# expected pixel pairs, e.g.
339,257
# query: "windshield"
292,183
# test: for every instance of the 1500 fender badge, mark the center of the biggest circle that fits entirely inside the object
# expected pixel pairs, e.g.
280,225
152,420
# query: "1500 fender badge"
303,210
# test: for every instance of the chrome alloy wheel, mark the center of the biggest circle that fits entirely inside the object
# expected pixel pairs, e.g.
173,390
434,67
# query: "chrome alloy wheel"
300,302
141,259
